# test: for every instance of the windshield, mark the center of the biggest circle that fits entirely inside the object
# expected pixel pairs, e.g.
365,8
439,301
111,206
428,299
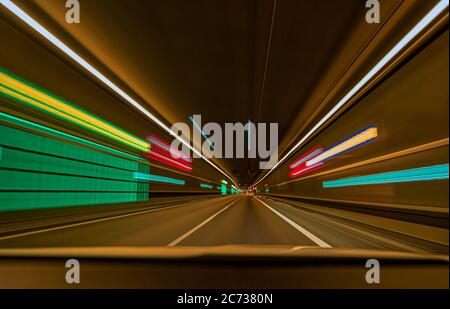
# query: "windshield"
231,128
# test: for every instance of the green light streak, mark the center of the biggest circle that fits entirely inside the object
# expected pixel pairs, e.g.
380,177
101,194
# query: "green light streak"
223,189
206,186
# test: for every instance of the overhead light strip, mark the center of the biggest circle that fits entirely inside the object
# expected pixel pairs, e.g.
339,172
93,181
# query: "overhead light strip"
440,7
63,47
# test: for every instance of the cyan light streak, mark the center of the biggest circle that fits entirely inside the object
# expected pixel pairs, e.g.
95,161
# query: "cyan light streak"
428,173
196,125
157,178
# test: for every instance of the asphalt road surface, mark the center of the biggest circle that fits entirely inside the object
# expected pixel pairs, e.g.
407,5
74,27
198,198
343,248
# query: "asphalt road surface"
232,220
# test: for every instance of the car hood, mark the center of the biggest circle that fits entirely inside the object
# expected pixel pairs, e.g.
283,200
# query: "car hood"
214,252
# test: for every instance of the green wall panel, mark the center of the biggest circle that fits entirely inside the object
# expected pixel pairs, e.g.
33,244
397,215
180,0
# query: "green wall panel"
20,160
15,138
34,200
38,171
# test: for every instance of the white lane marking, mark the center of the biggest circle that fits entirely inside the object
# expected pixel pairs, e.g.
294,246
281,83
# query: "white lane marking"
188,233
305,232
89,222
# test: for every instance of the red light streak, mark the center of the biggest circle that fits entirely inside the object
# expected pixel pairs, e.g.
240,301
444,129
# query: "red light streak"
303,169
163,152
313,152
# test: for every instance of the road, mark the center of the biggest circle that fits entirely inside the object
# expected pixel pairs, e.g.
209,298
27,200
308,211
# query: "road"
236,220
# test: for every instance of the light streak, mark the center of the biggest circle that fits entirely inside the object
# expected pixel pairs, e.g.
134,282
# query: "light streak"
197,126
74,56
153,155
305,169
23,92
48,130
314,152
157,178
440,7
159,143
428,173
206,186
356,140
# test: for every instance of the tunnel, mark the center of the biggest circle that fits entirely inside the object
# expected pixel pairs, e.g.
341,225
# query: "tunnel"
285,141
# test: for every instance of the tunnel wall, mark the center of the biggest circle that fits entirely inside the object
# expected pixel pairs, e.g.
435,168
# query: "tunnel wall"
50,173
48,161
43,168
410,111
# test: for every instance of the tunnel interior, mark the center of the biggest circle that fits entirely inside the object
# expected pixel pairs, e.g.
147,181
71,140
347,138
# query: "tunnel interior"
193,124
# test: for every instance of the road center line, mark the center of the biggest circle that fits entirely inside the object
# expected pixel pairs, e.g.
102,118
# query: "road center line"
188,233
89,222
305,232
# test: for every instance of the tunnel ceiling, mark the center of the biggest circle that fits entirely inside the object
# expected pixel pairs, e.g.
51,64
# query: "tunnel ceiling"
228,60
